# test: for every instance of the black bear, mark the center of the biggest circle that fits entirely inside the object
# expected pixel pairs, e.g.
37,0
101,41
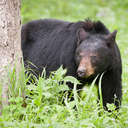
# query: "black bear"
84,48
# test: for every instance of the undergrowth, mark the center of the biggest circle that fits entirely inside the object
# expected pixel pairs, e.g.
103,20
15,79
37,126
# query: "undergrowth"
46,103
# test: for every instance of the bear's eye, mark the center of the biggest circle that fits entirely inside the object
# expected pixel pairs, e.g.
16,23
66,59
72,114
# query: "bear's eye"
93,57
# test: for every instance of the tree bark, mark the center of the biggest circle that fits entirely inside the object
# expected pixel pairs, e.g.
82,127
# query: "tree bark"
10,38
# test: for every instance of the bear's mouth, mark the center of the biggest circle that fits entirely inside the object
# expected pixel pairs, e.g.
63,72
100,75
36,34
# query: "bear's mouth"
85,74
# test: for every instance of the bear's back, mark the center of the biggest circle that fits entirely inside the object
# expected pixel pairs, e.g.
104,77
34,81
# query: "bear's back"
49,43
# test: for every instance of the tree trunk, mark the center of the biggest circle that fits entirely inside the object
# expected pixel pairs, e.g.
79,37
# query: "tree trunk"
10,38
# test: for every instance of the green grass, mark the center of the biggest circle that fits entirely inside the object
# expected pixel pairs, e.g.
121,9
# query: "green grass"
44,106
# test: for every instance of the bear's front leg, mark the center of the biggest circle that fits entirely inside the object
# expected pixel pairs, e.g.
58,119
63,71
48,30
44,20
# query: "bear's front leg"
111,89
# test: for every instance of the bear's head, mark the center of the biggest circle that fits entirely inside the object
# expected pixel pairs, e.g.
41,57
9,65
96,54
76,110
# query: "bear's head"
94,53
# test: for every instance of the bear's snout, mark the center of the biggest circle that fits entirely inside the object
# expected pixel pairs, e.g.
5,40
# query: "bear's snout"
85,68
81,72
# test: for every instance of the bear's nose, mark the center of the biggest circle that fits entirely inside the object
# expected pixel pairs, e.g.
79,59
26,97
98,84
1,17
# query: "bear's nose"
81,73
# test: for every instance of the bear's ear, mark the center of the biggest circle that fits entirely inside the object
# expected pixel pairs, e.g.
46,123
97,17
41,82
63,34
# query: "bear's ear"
82,34
111,38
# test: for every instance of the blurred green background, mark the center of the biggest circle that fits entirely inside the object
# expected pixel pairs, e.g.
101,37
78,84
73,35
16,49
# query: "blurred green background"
112,13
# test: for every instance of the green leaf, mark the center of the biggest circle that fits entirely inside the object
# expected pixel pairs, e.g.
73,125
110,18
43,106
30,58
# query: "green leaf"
71,79
63,88
47,94
111,107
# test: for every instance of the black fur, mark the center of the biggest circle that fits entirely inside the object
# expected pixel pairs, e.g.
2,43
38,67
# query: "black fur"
51,43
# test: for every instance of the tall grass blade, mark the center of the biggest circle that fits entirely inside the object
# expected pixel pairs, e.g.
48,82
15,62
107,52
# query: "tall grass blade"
100,91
